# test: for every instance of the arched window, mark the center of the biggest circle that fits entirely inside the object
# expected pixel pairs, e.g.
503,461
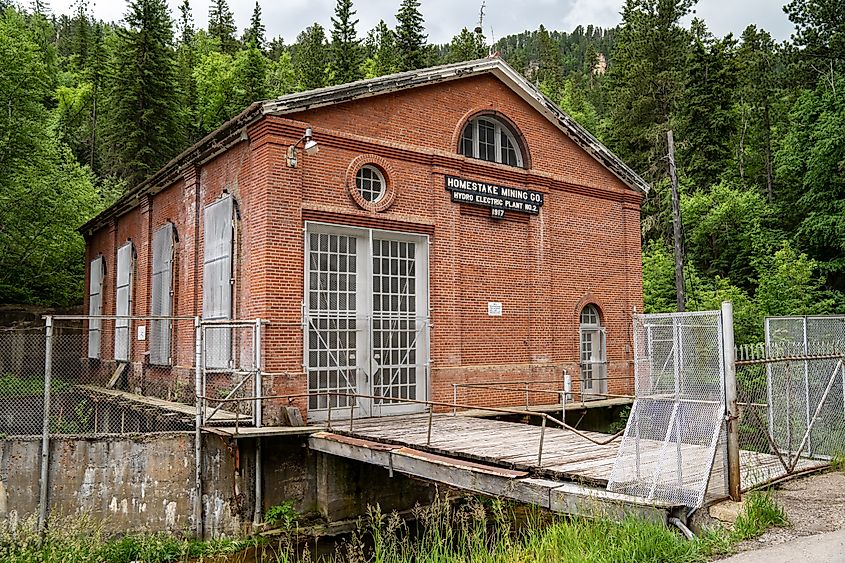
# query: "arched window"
487,138
593,354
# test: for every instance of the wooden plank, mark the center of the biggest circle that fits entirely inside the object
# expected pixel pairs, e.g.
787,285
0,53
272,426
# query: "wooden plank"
252,432
155,402
571,498
118,372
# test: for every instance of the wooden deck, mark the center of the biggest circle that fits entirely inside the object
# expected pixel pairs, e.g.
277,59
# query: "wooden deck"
565,457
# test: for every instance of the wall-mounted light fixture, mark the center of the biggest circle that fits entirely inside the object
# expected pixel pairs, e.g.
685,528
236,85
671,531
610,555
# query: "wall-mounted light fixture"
310,147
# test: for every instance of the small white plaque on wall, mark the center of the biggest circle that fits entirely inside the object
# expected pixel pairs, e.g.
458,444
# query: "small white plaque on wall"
494,308
142,332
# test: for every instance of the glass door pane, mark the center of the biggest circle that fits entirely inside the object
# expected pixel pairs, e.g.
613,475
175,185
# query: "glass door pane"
394,329
332,324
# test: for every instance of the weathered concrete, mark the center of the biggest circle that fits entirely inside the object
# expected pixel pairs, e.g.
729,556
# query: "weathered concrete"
146,481
131,482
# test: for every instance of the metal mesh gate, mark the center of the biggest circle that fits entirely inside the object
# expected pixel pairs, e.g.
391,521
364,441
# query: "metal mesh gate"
792,397
676,423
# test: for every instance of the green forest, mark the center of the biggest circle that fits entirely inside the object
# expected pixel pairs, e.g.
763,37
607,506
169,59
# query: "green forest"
90,108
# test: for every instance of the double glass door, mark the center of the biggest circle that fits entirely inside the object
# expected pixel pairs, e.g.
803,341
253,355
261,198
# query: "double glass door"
366,320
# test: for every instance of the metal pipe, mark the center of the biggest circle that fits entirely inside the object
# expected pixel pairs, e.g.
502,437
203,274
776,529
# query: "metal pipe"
682,527
732,410
198,384
454,399
45,430
259,384
542,437
428,436
259,484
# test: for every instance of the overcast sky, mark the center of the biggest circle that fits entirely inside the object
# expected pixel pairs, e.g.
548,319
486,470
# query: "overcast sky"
444,18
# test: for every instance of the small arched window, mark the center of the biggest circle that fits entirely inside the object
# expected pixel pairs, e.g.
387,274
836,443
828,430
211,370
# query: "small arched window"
487,138
593,355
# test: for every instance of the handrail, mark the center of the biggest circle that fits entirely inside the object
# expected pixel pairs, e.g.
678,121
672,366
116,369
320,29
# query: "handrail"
544,417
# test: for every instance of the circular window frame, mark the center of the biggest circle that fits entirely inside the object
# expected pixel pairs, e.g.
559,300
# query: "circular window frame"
378,176
384,169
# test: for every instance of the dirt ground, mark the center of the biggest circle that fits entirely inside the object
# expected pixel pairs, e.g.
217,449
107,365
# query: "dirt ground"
813,504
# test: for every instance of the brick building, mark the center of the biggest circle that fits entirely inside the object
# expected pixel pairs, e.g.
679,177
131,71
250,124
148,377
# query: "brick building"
455,226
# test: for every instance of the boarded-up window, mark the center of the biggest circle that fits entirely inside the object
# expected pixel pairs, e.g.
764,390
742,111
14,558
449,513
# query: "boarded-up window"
123,301
161,296
217,281
95,306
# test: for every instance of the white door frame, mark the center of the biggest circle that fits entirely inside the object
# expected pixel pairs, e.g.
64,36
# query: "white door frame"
367,366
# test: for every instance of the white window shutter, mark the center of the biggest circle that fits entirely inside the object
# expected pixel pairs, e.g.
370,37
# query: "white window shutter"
162,296
95,306
123,298
217,281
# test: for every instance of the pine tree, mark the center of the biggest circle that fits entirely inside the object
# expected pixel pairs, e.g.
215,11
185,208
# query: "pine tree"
221,26
466,46
309,57
410,36
144,129
382,54
346,53
646,81
820,32
757,94
185,26
81,37
549,69
254,35
706,112
249,78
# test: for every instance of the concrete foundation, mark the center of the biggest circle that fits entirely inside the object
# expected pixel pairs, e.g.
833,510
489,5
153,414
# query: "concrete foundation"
146,482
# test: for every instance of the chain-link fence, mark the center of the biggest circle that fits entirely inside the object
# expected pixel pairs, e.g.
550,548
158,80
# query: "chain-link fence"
671,442
119,375
791,393
22,380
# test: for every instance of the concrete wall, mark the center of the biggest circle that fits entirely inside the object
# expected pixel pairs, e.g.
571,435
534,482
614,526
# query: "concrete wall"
132,483
146,482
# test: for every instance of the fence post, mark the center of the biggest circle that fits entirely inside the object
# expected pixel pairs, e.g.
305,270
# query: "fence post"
732,414
257,416
45,432
198,427
259,388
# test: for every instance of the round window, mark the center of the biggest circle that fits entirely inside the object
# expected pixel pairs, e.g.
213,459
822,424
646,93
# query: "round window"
370,183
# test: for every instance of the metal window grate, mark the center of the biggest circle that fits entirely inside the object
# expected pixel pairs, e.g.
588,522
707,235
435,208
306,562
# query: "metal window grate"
394,319
333,325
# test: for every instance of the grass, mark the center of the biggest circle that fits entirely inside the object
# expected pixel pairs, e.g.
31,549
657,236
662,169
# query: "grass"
476,531
81,539
759,513
837,462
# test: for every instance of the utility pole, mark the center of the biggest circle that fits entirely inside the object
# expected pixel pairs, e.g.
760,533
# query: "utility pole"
676,225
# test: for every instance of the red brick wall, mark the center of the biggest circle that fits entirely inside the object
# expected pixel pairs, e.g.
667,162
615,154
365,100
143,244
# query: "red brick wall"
584,246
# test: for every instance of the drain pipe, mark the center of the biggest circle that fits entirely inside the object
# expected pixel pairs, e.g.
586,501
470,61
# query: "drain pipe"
675,521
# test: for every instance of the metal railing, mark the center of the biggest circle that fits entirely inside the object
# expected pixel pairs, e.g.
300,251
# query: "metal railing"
544,418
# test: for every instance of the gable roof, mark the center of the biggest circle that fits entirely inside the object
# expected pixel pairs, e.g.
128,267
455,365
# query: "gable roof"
231,131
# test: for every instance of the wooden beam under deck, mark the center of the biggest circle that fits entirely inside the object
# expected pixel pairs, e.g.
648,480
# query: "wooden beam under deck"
567,498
